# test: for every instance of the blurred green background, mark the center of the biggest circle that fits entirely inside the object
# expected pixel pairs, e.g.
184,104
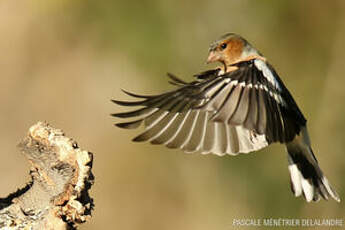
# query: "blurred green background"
62,62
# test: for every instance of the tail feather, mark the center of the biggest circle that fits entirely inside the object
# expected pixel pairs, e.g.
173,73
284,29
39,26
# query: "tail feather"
305,173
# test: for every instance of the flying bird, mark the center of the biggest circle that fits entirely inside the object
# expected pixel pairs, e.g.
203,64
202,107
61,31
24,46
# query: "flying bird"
239,107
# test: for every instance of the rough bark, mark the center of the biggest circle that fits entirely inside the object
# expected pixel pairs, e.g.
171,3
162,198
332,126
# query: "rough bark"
57,196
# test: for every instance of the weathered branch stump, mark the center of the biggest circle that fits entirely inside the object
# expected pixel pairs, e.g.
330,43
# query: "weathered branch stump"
57,196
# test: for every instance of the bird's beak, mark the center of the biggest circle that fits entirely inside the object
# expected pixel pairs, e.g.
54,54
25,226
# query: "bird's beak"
212,57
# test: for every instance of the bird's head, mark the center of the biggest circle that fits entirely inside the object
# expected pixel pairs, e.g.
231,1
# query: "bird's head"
230,48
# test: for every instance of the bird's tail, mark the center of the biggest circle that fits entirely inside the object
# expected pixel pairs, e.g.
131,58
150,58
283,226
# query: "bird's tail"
306,175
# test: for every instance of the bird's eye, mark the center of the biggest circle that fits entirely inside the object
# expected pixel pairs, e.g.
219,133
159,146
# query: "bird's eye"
223,46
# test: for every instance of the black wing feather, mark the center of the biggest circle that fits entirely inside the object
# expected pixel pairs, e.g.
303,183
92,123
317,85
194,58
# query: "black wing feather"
251,101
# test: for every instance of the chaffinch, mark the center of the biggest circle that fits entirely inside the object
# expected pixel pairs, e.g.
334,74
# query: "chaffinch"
239,107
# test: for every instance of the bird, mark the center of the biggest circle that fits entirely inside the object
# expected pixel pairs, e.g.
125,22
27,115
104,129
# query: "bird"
240,106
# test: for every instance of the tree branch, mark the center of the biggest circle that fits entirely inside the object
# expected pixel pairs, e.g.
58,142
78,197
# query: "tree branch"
57,196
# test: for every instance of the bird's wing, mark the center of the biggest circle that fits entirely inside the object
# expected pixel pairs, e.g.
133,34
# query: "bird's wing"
236,112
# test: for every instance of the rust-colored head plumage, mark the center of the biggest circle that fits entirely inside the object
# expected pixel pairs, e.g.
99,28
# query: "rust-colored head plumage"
230,48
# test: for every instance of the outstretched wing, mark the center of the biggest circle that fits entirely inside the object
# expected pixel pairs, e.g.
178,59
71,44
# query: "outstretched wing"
236,112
